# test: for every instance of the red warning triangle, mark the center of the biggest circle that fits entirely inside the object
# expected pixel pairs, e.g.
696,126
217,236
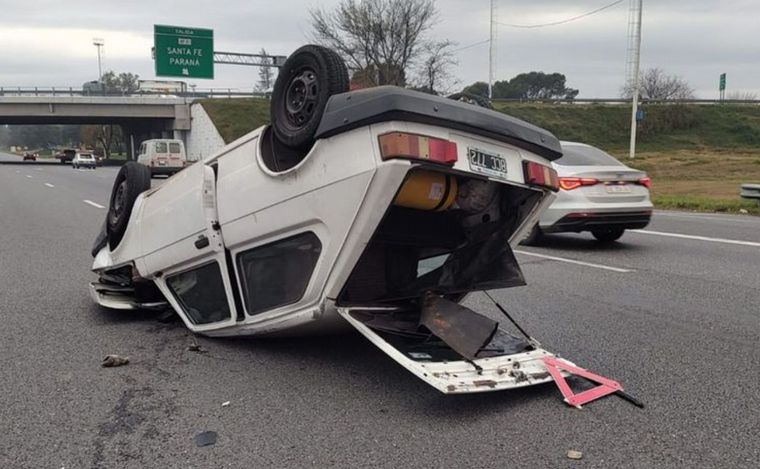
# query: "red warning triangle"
606,386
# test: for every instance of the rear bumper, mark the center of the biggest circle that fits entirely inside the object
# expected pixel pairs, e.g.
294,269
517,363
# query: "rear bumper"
165,170
587,221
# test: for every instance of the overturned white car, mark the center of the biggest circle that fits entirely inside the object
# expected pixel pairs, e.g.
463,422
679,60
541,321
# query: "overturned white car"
380,208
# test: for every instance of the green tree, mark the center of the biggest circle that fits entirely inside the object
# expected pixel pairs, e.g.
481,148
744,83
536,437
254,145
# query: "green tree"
123,83
531,85
479,88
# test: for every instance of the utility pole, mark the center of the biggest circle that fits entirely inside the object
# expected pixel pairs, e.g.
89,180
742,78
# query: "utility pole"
636,27
98,42
490,53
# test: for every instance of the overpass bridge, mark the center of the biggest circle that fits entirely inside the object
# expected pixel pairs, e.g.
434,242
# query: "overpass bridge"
140,117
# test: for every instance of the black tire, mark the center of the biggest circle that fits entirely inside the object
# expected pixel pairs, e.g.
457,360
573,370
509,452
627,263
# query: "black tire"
132,180
608,235
304,84
534,237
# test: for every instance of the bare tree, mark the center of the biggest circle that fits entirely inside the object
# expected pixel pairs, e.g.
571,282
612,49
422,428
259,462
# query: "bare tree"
656,84
266,74
434,75
382,38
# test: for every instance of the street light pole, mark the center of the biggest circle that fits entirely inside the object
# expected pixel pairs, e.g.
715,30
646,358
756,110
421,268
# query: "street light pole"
636,80
98,42
490,55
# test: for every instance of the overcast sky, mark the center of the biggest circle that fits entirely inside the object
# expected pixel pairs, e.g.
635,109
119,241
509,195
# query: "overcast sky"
44,43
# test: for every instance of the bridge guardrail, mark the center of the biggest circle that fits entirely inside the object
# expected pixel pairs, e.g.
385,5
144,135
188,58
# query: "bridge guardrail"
72,91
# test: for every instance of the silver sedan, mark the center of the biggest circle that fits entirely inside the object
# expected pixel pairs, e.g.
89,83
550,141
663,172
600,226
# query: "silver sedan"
597,194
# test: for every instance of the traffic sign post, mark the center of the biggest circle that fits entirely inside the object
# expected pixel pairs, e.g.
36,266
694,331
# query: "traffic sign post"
184,52
722,88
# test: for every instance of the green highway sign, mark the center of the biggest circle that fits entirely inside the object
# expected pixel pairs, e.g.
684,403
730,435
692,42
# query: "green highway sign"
183,52
722,81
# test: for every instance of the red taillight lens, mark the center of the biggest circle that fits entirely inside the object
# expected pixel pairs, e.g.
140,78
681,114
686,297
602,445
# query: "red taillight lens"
418,147
569,184
540,175
646,181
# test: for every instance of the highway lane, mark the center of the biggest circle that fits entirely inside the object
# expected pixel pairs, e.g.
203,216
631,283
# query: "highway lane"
679,330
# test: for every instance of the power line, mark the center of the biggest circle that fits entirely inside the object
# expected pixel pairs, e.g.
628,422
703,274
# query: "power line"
471,45
556,23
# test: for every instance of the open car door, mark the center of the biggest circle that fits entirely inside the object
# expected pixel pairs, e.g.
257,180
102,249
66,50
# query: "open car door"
192,272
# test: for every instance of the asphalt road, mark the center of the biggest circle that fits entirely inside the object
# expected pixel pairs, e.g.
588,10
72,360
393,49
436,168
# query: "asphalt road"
675,319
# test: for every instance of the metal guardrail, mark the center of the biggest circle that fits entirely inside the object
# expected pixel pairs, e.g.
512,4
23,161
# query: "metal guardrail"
72,91
751,191
237,93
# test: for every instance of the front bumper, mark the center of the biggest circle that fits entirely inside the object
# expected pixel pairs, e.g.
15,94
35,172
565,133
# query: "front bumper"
587,221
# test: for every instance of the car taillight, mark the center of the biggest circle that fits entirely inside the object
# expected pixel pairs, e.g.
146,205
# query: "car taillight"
540,175
646,181
569,184
418,147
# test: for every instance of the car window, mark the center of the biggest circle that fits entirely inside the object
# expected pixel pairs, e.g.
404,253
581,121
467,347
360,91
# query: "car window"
174,148
201,294
580,155
277,274
161,147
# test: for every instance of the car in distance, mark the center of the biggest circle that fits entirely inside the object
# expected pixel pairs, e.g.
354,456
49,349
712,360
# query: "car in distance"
84,160
379,209
66,156
162,156
597,193
30,156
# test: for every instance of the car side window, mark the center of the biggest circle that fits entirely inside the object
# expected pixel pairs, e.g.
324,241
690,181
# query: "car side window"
201,294
278,273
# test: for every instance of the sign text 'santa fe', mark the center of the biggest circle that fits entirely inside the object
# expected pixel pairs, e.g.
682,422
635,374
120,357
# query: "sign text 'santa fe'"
184,52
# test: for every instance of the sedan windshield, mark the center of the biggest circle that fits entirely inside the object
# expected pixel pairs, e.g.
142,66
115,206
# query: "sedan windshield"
582,155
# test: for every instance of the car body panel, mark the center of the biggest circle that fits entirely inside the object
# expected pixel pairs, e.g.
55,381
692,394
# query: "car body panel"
217,214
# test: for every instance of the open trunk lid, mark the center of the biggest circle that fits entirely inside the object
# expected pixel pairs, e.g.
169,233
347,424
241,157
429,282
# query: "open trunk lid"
503,361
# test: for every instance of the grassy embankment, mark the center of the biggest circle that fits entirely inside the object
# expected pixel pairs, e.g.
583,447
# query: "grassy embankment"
697,155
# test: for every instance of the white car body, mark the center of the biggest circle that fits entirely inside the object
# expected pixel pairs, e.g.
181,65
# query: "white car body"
233,205
162,155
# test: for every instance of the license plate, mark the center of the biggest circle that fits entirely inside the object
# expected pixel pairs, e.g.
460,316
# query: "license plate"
487,163
162,163
618,189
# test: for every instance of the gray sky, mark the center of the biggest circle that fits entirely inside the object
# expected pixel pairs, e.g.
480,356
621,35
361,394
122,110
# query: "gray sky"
47,44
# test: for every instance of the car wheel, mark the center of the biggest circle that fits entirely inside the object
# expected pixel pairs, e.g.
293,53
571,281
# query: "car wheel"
131,181
608,235
304,84
534,237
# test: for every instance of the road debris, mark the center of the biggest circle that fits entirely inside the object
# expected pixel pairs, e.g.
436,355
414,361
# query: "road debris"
573,454
226,404
196,348
205,439
114,360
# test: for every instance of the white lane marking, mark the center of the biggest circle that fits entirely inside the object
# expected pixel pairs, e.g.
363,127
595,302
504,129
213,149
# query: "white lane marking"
49,185
699,238
573,261
93,204
708,217
29,176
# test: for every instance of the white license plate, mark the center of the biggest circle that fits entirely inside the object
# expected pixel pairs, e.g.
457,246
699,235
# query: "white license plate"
618,189
487,163
162,163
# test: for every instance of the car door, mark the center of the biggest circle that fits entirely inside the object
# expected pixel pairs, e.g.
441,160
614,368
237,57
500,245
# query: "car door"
185,250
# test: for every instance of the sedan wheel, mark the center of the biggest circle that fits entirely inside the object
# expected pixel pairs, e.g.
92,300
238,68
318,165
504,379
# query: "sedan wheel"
608,235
